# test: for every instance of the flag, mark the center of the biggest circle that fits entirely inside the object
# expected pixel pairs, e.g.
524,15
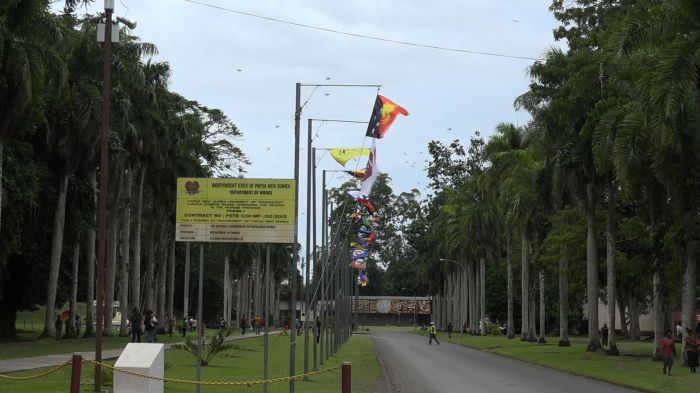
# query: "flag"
355,194
383,114
371,171
358,264
358,254
342,155
360,173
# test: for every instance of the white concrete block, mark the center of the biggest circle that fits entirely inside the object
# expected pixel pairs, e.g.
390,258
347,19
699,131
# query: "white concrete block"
146,359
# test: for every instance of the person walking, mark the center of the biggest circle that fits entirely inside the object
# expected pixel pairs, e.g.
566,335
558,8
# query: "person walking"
679,333
432,331
183,328
691,350
449,329
135,323
258,324
668,351
78,325
58,324
149,326
242,325
604,334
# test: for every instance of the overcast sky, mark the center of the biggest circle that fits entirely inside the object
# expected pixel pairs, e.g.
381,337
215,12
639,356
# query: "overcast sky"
248,67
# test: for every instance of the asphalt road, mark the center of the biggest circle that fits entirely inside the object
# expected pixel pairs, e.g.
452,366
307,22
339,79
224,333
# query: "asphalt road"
414,366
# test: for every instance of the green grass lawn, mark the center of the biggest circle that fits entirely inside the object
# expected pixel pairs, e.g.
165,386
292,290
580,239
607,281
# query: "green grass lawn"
241,364
51,346
634,368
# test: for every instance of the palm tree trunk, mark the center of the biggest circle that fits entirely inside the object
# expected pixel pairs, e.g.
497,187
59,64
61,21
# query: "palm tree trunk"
610,232
136,267
465,296
125,257
151,264
658,313
524,285
171,283
2,154
70,328
110,272
509,259
482,295
542,338
531,336
635,332
186,292
592,271
227,285
624,331
59,219
162,271
90,261
111,256
689,289
564,297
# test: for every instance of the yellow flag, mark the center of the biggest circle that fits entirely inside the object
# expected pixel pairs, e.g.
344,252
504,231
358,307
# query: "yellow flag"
342,155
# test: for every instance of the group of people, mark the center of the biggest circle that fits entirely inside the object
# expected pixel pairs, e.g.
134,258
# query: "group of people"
690,349
257,324
144,324
58,325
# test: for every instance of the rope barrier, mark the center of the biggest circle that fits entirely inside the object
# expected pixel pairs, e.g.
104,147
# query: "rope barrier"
213,383
36,376
173,380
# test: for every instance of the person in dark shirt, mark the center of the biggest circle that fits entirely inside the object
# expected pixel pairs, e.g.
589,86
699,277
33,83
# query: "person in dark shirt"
135,323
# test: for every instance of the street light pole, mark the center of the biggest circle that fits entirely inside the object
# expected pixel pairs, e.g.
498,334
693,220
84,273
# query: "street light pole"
104,183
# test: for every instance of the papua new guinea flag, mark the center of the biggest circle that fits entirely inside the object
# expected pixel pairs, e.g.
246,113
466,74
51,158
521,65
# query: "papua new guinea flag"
383,114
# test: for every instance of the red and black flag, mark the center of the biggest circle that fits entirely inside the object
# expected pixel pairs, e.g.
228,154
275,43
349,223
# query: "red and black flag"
383,114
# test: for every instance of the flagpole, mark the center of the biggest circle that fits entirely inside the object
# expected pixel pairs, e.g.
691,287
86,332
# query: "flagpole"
308,247
295,245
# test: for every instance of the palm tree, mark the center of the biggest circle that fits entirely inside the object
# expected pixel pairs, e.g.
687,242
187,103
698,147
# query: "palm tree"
500,151
77,111
558,99
664,39
28,62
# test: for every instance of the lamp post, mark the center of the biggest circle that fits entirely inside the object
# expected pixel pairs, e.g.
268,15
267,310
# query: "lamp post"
104,184
415,305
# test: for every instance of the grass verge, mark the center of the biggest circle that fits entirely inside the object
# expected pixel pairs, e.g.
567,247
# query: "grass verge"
243,363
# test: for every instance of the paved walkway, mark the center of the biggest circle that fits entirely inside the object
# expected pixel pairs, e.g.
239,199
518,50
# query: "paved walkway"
20,364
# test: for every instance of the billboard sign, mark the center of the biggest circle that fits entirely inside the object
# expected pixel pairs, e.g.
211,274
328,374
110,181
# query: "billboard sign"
235,210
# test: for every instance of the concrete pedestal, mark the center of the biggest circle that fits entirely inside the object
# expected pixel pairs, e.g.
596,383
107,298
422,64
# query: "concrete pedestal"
141,358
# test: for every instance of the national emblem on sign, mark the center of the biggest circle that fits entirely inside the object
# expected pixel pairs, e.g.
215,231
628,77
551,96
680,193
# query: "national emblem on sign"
192,187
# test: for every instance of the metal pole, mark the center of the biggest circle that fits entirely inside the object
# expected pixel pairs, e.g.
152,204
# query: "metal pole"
295,246
200,323
356,323
266,318
308,247
104,190
324,275
317,335
75,372
346,377
186,300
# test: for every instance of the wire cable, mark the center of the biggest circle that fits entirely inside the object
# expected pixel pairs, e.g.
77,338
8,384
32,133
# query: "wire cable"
363,36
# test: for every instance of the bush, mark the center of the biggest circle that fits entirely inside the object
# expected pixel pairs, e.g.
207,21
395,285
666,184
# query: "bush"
209,349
